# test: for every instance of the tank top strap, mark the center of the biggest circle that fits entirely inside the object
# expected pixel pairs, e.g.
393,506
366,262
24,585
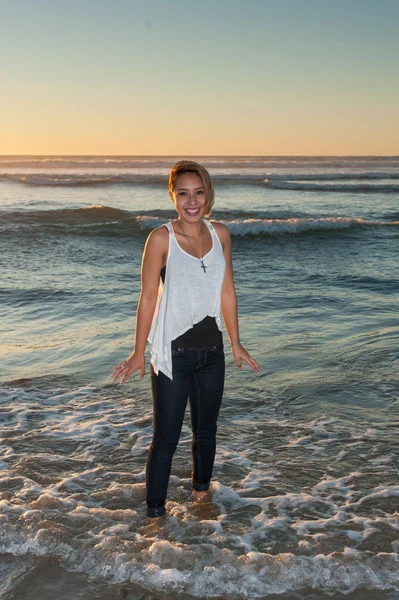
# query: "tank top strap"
213,233
169,227
210,227
209,224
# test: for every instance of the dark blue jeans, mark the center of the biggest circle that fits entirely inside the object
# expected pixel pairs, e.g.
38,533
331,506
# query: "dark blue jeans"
199,376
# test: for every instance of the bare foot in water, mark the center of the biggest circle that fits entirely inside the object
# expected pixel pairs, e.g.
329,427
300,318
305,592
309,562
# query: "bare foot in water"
154,525
202,496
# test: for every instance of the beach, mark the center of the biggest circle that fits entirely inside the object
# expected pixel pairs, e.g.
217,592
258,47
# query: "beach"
305,488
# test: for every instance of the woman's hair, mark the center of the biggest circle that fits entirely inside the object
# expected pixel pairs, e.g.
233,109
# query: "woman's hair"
189,166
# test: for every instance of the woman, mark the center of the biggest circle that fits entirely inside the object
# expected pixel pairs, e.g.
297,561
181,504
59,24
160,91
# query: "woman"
180,316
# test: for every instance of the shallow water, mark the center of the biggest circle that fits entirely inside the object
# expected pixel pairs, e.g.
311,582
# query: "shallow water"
305,490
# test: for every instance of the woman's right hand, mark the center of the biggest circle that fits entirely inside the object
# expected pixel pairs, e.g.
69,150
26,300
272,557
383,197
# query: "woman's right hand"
135,362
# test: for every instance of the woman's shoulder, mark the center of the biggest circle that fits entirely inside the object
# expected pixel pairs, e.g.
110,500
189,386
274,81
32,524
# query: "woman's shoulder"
158,237
160,232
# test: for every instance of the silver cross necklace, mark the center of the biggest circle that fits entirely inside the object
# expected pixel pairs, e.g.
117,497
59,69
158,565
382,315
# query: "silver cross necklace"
204,267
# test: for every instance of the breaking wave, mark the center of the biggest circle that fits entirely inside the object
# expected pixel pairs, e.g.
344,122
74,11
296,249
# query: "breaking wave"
99,218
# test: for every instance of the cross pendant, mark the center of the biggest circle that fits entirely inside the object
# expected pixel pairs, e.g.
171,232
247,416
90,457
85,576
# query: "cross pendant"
203,266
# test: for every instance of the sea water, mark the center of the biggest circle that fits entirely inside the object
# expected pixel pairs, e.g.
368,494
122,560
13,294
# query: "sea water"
305,493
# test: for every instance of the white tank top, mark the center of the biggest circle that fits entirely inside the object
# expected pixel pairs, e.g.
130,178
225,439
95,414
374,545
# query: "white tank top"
188,296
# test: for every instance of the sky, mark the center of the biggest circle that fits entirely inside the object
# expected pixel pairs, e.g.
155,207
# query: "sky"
199,77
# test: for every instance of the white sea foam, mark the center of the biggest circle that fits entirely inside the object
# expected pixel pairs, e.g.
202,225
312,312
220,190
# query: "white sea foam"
243,227
209,572
276,524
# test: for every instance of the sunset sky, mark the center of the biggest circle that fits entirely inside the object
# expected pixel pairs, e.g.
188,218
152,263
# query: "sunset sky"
192,77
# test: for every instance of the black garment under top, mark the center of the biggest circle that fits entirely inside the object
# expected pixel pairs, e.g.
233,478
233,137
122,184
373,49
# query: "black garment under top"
204,334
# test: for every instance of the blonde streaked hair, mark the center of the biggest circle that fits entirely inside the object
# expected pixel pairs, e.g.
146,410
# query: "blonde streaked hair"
189,166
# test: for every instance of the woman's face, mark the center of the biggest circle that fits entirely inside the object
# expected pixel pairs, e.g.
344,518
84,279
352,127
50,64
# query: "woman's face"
189,197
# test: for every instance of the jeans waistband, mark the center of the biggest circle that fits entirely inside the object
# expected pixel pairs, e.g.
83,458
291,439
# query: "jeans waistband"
209,347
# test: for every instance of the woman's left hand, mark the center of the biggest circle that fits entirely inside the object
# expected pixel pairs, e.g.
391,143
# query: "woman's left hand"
240,354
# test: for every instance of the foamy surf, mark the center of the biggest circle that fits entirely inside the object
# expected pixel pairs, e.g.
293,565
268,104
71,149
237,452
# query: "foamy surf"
288,513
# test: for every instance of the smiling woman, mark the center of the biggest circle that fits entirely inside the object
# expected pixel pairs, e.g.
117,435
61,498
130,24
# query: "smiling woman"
197,182
187,282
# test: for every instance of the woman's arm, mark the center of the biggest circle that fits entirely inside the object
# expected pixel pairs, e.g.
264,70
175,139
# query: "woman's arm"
153,260
229,303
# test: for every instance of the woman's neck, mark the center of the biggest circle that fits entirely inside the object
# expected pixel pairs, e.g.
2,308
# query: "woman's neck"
191,229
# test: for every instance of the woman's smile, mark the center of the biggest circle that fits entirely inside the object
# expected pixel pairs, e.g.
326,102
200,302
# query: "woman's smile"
193,212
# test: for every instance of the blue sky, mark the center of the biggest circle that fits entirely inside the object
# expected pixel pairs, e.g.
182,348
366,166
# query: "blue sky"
209,77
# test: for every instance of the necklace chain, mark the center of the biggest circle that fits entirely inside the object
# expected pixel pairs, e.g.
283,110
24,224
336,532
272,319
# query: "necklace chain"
204,267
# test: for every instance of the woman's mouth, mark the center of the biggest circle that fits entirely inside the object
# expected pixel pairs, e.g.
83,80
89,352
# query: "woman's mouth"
192,212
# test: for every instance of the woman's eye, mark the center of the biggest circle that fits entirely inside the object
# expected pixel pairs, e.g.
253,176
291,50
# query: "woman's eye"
200,192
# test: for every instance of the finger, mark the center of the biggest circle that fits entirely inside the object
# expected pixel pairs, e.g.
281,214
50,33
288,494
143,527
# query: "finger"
120,366
254,364
120,370
238,363
127,375
142,371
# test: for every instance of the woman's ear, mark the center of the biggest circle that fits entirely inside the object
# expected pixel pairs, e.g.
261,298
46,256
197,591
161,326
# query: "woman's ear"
171,196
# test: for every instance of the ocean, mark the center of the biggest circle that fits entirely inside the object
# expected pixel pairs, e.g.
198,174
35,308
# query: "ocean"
305,497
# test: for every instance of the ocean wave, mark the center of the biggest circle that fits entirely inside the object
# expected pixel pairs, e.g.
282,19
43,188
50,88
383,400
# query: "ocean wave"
315,185
333,176
100,218
244,227
80,179
97,213
108,179
332,182
180,568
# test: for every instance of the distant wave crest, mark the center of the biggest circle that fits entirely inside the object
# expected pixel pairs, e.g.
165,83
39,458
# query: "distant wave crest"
303,181
211,162
329,184
79,179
